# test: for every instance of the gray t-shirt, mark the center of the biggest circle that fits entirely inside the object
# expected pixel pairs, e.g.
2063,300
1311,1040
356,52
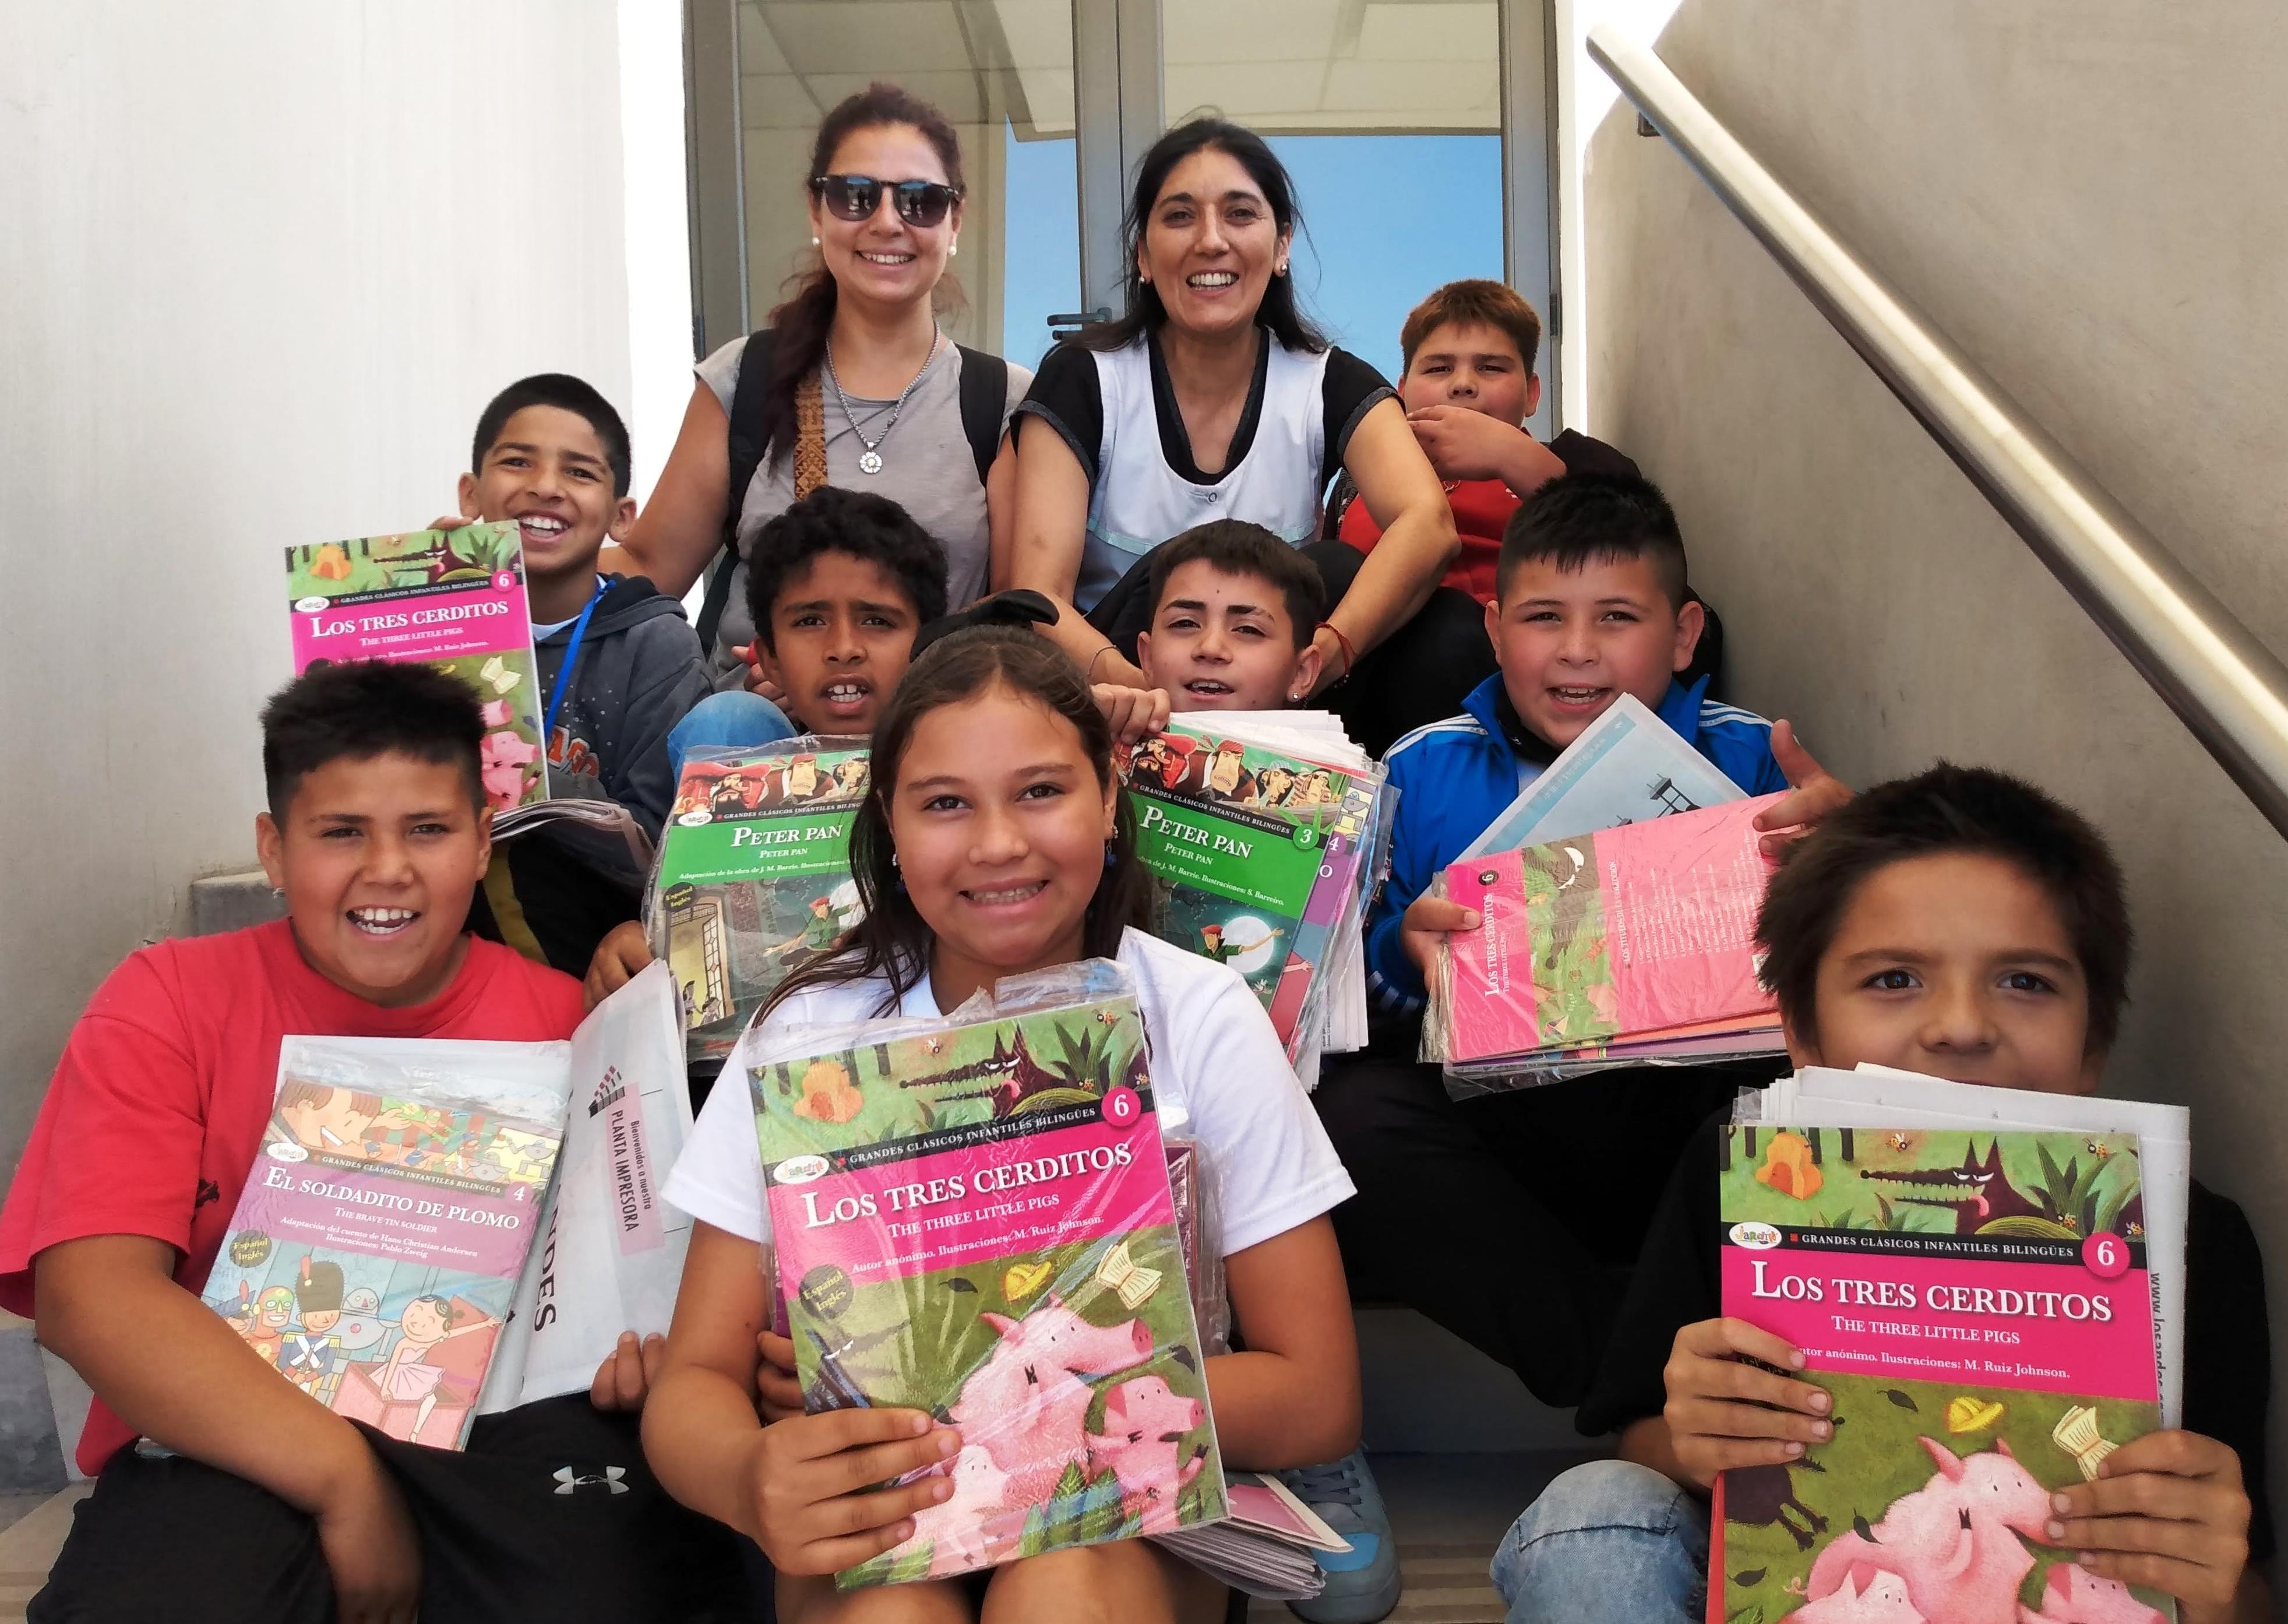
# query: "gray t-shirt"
926,469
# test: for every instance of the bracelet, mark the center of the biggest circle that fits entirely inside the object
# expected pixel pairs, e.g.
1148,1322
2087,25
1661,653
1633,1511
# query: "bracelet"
1090,675
1350,654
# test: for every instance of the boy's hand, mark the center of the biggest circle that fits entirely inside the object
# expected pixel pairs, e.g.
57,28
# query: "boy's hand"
620,956
1813,792
756,682
372,1548
810,1502
1132,714
626,1374
778,1392
450,522
1430,920
2167,1510
1722,1413
1463,445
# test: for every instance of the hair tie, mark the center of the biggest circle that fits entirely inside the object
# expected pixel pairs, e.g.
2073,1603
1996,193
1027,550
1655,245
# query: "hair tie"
1015,608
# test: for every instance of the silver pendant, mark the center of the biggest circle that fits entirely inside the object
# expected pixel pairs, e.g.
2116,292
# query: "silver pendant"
869,462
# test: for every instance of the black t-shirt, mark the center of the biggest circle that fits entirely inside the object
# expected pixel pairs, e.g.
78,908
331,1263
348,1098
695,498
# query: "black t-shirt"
2228,1346
1066,394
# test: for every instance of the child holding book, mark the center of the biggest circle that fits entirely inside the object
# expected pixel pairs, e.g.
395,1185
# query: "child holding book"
1961,924
1591,603
376,835
994,841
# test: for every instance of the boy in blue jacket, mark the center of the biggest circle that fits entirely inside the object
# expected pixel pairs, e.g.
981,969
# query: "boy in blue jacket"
1591,604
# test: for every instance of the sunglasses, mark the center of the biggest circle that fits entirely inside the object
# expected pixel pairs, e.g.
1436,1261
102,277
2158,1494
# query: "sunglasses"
856,197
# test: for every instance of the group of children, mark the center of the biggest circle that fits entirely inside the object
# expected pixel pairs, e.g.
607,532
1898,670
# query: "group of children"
1959,922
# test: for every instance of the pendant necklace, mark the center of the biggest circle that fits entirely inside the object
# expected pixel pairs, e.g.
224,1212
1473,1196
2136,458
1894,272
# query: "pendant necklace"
870,460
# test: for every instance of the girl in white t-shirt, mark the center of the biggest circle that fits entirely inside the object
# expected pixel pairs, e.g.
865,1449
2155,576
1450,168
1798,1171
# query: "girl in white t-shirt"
995,840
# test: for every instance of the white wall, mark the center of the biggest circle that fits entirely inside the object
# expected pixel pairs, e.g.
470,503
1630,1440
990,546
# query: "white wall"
2083,193
261,265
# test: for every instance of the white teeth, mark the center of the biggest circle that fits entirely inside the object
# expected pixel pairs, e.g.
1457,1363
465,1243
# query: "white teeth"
886,259
382,919
1212,279
541,521
1014,894
845,693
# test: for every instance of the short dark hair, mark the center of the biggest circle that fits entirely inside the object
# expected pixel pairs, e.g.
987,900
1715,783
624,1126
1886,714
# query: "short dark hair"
1971,811
1474,301
356,710
566,392
1237,547
856,523
1579,519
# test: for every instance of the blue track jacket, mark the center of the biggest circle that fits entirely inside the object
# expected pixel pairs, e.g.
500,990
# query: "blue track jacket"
1455,776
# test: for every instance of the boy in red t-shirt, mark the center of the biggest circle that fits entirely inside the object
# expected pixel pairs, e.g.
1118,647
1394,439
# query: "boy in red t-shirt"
377,835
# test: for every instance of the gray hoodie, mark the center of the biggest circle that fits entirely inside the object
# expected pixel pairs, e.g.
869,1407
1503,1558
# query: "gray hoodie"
640,669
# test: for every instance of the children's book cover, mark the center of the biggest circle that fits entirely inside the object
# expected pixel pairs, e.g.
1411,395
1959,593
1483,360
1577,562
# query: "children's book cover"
975,1219
754,879
374,1251
1628,930
1978,1305
453,599
1256,852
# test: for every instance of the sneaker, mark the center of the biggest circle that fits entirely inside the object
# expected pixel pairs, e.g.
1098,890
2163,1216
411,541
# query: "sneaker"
1362,1583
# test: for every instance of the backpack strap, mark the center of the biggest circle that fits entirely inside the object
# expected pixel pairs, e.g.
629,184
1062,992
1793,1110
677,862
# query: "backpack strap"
984,401
746,447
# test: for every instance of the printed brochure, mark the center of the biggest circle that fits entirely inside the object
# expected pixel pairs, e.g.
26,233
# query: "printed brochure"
973,1216
1627,767
452,598
1979,1304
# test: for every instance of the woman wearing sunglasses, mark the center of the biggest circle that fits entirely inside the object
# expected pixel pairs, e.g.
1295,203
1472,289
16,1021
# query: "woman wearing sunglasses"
1214,397
853,383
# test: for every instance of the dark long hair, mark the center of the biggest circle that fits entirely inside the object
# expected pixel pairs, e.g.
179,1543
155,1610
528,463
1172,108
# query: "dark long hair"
892,940
803,320
1280,310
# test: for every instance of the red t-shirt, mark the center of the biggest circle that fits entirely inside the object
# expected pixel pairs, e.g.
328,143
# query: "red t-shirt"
159,1102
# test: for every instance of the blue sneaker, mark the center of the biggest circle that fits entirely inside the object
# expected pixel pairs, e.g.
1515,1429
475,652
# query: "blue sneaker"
1362,1583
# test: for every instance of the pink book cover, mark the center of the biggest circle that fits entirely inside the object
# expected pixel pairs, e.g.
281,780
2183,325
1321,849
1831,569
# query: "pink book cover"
1978,1307
1601,936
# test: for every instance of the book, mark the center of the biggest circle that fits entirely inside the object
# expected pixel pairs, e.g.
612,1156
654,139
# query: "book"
1601,939
1978,1300
753,878
374,1251
973,1216
453,599
1626,767
1266,1547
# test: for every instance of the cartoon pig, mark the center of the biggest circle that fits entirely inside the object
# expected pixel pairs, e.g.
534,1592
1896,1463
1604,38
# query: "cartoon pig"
1143,1435
1027,1404
1870,1594
1954,1540
958,1525
2073,1595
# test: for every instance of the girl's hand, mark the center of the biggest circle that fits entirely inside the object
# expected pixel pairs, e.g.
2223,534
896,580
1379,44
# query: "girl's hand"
778,1392
1132,714
1723,1413
808,1486
625,1378
619,957
1428,921
370,1546
2167,1510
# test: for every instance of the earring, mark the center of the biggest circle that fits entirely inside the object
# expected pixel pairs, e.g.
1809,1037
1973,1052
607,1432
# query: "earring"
279,892
952,250
1279,270
1109,858
894,859
814,241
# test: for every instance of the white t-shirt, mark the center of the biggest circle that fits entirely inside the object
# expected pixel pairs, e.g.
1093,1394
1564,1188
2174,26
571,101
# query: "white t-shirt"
1216,1065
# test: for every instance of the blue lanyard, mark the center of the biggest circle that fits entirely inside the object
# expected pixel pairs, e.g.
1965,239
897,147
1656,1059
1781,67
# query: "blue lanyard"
571,658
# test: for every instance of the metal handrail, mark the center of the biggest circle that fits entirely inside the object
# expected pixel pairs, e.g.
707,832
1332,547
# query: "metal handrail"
2223,683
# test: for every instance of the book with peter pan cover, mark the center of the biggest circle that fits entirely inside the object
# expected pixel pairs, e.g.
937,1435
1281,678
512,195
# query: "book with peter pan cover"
753,879
973,1216
453,599
1978,1305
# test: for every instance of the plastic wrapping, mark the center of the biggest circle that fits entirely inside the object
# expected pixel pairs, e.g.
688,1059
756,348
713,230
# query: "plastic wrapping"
975,1217
753,876
374,1250
1631,946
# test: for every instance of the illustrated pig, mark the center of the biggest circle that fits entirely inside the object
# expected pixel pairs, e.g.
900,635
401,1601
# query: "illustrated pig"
1954,1540
960,1525
2073,1595
1027,1404
1143,1435
1869,1595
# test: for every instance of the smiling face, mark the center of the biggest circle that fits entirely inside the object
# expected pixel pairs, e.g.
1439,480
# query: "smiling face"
547,471
999,822
1224,642
1958,965
1211,245
422,1321
841,633
1475,365
882,260
1571,641
378,858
